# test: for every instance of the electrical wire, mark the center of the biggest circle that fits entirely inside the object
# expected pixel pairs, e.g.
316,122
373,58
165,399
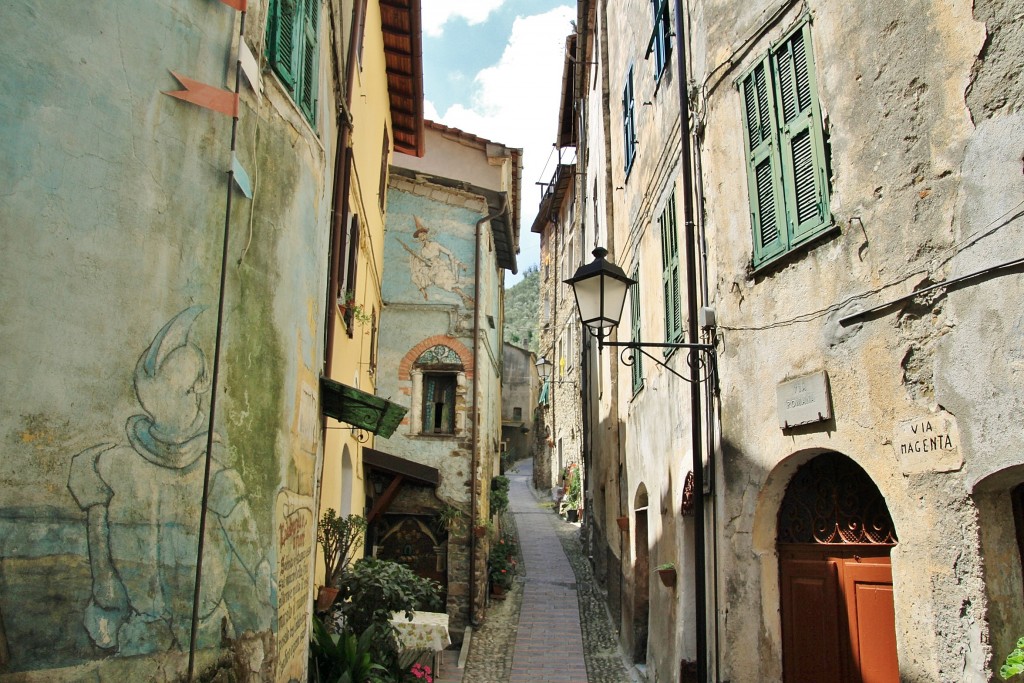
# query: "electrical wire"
1003,220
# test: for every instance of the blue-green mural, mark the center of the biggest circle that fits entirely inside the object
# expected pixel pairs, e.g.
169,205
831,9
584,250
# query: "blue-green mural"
141,495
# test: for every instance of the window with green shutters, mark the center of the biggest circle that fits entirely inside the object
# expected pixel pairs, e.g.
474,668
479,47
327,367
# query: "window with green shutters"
670,272
634,329
628,122
787,170
438,403
292,44
660,43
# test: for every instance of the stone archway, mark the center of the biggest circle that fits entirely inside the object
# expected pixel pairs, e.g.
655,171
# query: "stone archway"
834,538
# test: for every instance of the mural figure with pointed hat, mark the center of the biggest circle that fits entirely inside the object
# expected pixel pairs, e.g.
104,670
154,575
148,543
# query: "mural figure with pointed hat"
142,497
434,264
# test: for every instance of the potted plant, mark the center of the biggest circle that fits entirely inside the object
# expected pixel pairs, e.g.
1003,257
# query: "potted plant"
448,517
338,538
350,310
501,566
667,574
572,502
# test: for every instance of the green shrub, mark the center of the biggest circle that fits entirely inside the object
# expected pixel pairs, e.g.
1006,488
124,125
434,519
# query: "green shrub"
1014,662
499,494
341,657
372,589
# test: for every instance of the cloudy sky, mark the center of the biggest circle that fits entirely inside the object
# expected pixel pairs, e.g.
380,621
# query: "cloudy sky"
493,68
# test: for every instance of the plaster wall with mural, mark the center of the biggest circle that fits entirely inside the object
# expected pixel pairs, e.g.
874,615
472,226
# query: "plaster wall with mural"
114,226
447,245
836,176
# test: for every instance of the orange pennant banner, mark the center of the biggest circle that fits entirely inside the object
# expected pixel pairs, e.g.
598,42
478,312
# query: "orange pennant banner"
239,5
222,101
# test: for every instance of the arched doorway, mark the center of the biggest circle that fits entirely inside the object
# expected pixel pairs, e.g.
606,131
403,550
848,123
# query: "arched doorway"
641,577
834,539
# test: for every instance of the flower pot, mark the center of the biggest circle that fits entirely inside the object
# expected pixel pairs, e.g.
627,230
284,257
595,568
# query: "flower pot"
572,515
623,523
497,591
668,576
480,531
325,598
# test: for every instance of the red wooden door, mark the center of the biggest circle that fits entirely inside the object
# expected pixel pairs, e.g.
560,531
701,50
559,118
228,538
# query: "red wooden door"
871,618
810,621
838,618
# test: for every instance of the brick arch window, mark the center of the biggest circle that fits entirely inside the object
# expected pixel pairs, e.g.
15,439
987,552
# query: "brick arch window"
441,375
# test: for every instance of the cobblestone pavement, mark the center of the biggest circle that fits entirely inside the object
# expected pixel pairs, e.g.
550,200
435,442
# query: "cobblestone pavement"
553,626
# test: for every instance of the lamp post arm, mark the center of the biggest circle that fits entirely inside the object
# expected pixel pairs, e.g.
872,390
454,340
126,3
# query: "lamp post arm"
709,349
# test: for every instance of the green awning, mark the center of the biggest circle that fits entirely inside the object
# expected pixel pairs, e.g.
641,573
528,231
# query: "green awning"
360,409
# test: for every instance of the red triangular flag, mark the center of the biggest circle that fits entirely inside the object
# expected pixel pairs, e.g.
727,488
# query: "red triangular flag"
222,101
239,5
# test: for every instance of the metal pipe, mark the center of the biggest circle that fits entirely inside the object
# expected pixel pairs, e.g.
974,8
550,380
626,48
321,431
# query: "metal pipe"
696,442
475,457
342,183
214,374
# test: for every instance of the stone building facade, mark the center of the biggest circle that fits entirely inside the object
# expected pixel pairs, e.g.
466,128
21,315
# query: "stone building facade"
520,388
856,223
451,235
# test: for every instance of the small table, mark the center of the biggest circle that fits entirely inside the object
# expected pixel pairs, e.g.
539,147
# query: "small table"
426,631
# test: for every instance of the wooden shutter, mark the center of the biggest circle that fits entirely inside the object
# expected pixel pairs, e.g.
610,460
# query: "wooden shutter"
429,390
634,318
764,180
351,271
800,137
628,122
282,40
670,273
306,90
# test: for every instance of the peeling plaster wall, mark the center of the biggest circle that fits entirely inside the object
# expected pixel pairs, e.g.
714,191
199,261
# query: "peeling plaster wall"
429,300
925,153
112,220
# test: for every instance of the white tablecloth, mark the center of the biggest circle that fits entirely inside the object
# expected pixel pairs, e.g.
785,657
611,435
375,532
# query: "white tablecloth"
426,631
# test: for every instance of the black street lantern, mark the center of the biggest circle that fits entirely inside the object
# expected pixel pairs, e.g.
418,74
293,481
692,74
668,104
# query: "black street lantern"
544,367
600,288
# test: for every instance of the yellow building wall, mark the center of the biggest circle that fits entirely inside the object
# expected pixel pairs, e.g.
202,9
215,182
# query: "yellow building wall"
342,485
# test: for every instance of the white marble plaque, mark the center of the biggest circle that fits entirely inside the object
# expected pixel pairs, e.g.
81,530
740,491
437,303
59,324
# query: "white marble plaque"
803,400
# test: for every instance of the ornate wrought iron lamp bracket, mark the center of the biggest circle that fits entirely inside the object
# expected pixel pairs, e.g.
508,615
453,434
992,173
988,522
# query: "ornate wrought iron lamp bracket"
701,356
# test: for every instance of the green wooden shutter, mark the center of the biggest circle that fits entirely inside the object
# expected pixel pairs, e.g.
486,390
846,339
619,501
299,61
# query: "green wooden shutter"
670,272
764,182
628,122
306,90
282,40
634,319
800,137
429,389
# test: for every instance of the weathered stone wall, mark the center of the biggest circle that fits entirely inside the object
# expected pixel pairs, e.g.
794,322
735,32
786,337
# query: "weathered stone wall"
921,192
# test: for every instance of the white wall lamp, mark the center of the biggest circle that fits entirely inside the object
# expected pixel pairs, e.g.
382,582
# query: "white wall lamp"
600,288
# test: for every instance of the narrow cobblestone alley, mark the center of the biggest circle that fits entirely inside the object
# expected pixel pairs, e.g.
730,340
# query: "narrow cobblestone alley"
539,634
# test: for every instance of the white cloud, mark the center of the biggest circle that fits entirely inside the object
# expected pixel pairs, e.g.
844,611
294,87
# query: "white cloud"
515,102
436,13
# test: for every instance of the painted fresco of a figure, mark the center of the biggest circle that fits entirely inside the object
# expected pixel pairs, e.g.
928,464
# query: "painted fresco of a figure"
434,264
142,496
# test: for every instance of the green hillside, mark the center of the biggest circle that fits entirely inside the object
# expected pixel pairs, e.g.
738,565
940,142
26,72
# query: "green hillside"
521,302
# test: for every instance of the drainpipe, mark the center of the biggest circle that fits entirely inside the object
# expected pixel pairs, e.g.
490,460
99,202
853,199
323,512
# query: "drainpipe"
696,443
342,183
475,463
